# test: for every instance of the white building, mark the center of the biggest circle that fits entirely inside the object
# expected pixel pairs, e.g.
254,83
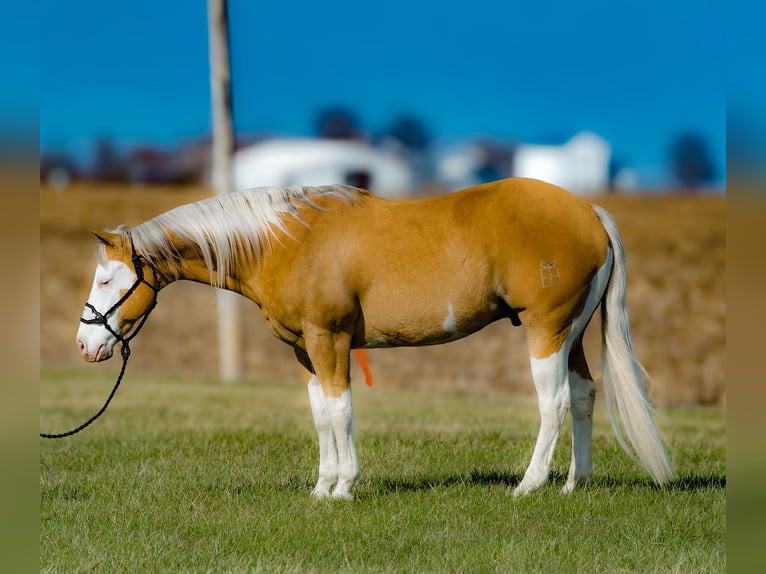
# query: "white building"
305,161
457,166
580,165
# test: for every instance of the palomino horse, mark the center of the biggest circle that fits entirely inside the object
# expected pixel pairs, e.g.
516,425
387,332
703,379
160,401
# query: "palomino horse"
336,268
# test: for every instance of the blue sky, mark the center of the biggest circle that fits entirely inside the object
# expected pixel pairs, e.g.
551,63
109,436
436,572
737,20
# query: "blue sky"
639,74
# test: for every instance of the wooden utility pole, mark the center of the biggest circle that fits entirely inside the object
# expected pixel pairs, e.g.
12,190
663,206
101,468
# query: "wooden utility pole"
230,323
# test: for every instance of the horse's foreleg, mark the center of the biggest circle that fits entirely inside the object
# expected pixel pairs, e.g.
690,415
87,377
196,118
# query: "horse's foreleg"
550,378
342,417
328,454
329,354
582,393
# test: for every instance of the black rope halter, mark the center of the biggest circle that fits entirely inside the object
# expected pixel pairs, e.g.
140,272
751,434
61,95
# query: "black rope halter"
103,320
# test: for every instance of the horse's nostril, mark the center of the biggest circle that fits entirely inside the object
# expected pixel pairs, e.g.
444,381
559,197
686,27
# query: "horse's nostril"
81,346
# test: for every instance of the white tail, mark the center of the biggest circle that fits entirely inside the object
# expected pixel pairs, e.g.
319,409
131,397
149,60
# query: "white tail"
630,410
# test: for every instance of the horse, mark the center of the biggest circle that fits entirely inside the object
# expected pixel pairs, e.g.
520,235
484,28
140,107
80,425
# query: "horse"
336,268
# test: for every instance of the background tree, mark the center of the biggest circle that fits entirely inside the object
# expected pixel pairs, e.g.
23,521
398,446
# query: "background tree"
410,132
108,163
338,123
408,136
691,163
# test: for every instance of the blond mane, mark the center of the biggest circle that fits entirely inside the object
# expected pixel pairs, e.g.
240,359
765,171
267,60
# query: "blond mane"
227,227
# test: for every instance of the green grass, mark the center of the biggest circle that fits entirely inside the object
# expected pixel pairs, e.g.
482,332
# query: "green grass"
196,476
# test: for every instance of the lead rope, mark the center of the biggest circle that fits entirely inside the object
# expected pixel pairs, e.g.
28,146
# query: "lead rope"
125,350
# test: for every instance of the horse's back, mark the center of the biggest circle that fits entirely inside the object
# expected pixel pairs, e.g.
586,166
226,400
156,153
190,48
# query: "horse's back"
493,232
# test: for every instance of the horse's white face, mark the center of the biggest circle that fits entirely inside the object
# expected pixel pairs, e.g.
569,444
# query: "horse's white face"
111,282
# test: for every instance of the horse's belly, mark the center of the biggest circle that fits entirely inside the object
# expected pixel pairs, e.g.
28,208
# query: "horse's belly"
418,327
378,339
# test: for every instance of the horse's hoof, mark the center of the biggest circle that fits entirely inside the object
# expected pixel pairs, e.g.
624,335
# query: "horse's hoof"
526,488
573,483
321,493
342,495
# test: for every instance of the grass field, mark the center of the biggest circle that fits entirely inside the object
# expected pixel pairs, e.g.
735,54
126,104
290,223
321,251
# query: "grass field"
189,475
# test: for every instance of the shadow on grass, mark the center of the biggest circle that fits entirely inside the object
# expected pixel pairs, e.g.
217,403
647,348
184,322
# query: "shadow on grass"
421,483
483,478
383,485
699,483
686,483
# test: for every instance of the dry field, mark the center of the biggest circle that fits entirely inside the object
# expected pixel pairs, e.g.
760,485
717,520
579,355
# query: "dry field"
676,297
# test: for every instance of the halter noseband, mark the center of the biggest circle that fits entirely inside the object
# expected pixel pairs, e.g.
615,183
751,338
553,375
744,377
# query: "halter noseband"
103,319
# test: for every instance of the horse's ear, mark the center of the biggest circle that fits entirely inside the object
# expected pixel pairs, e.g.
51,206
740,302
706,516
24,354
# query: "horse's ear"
107,238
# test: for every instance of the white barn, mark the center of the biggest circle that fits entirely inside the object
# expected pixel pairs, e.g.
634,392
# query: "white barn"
580,165
306,161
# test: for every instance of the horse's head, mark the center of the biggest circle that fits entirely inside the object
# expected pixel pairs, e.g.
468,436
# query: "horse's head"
124,292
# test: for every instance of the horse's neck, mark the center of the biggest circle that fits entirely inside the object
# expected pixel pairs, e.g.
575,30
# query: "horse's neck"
191,266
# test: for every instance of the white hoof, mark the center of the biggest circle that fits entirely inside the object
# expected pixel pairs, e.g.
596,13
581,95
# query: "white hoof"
342,494
321,491
573,483
528,486
517,492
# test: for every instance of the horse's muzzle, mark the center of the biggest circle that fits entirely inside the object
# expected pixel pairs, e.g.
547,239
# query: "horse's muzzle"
101,354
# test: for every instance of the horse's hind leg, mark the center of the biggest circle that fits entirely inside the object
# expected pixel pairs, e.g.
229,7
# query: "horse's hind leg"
550,374
582,396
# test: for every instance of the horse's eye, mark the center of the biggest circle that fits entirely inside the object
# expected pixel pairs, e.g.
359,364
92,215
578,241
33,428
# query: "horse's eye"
105,282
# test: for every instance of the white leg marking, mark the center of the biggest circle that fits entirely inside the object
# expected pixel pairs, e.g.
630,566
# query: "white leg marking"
582,393
328,454
450,324
550,377
342,418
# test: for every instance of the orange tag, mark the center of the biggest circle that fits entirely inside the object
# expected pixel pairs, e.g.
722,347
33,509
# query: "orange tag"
361,357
